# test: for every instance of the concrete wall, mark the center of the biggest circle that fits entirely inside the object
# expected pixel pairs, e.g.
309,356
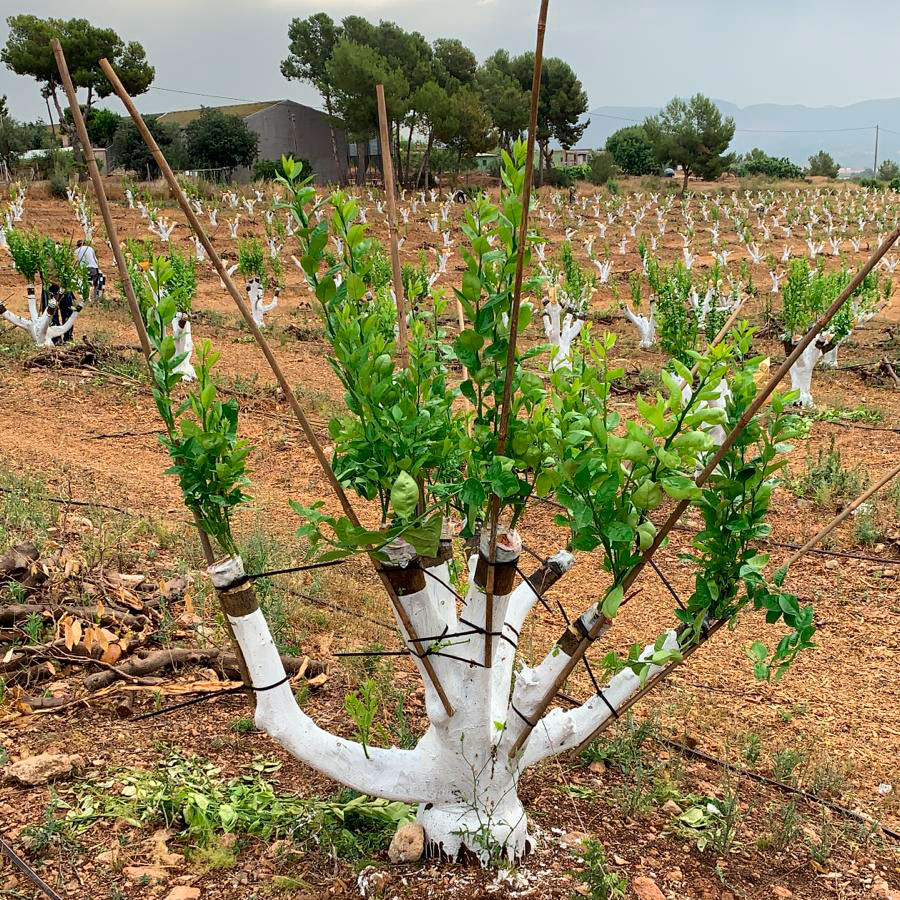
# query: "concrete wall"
292,129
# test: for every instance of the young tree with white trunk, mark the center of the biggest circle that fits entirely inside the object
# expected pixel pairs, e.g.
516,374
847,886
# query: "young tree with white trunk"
806,293
427,452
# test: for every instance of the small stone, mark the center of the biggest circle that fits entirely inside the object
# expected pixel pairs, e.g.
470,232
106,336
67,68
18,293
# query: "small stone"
646,889
620,861
671,808
883,891
781,892
574,838
35,770
674,875
152,874
407,844
372,882
598,767
183,893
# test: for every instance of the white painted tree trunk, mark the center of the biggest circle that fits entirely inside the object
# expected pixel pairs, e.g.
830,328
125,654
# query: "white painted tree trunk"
561,332
801,373
646,327
460,775
184,345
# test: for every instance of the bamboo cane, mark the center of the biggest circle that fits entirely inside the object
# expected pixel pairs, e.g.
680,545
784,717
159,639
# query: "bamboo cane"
514,326
818,538
602,624
198,229
387,163
112,234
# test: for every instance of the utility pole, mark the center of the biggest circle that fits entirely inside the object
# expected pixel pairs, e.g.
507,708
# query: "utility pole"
875,170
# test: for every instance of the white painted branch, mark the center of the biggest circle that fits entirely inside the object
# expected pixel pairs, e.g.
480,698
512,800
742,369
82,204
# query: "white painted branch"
561,729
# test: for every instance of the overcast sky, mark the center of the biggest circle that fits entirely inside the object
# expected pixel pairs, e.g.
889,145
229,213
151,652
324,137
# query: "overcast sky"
812,52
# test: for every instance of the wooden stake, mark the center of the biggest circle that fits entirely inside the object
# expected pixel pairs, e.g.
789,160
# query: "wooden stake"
100,192
890,476
387,163
272,361
514,326
112,234
602,624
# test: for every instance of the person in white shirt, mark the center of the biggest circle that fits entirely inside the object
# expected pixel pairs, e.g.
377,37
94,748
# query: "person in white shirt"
85,256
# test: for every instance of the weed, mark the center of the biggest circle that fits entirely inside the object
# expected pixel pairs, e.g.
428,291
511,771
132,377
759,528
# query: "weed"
602,882
34,628
50,834
785,764
210,858
786,825
22,517
188,793
752,749
867,530
712,822
242,726
825,480
859,414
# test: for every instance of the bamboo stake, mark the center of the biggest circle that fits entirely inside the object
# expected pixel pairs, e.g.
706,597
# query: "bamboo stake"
102,202
514,326
661,675
843,515
273,364
112,234
387,163
602,624
111,231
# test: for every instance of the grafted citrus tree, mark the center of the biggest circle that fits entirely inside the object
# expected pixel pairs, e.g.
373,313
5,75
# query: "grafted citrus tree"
425,447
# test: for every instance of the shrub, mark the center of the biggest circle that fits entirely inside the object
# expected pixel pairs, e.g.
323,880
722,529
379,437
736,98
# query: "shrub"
758,162
601,167
823,163
560,178
632,151
215,140
895,184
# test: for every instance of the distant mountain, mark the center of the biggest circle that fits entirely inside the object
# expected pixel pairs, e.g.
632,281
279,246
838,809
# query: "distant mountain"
804,129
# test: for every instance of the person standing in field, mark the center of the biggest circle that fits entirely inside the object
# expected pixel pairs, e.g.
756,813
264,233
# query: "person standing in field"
85,256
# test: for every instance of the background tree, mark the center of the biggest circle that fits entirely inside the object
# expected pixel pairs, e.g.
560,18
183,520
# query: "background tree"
434,108
692,134
101,124
312,43
503,97
632,151
129,151
215,140
823,163
27,52
562,104
888,170
758,162
455,65
468,127
355,69
601,167
18,137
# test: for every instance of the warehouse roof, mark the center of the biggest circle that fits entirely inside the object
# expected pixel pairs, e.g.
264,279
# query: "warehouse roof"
184,117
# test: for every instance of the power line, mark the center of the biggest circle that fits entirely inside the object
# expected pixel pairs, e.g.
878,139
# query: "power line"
153,87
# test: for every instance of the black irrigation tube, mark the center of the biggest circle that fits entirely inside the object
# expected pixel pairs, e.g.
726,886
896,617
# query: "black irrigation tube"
26,870
780,785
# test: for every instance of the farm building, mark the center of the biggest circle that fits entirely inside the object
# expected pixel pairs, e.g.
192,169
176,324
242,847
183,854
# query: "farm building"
572,157
285,127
